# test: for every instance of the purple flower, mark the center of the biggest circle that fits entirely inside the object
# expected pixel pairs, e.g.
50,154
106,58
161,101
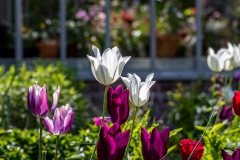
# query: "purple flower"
98,120
235,155
226,114
38,100
112,143
236,75
117,104
62,120
155,145
94,10
82,14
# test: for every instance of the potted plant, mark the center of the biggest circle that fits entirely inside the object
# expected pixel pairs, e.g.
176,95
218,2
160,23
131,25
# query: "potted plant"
47,43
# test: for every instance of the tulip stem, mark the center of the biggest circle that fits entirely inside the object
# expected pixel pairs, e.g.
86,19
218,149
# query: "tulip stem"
56,150
134,117
189,158
40,141
103,114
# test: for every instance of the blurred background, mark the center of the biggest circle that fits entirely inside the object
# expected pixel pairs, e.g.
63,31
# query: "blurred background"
48,42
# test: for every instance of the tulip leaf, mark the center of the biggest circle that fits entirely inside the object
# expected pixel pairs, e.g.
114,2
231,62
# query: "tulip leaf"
231,131
201,128
175,132
218,126
169,150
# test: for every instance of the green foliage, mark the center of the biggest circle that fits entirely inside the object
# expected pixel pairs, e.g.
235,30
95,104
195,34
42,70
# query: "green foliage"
224,135
14,85
23,144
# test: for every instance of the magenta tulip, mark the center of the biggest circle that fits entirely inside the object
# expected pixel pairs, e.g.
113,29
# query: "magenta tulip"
98,120
235,155
117,104
155,145
112,143
226,113
38,100
62,120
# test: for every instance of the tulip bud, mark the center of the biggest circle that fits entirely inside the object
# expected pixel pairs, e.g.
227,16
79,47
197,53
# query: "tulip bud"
117,104
155,145
236,103
62,120
112,143
187,146
38,100
235,155
139,91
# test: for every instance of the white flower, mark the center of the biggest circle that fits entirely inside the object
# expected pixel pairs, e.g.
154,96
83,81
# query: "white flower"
236,53
139,91
108,68
219,61
230,63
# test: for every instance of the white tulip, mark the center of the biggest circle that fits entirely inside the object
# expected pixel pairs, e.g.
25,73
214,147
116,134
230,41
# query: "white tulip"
236,53
217,62
108,68
139,91
230,63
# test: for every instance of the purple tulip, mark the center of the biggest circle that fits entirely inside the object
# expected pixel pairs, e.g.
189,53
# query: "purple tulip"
98,120
155,145
38,100
112,143
117,104
226,114
236,75
235,155
62,120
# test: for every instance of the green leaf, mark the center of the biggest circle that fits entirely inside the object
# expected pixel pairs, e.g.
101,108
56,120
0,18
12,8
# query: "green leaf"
169,150
218,126
201,128
175,132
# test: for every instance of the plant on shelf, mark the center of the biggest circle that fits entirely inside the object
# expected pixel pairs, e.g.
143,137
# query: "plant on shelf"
47,43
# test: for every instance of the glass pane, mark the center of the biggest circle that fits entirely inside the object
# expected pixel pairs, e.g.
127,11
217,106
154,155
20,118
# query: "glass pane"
40,28
221,23
6,30
85,27
130,27
175,28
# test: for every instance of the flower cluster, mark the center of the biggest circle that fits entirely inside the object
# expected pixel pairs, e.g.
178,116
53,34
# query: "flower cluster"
225,58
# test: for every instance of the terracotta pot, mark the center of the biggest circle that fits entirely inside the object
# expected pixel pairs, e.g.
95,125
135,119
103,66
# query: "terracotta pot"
166,45
48,49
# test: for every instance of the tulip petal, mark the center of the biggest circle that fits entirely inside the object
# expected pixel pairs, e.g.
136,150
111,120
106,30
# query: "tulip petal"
98,120
119,89
57,122
236,154
109,60
157,144
126,81
164,136
124,108
146,148
55,99
149,77
116,50
114,130
47,122
42,103
68,121
97,53
106,146
122,140
225,156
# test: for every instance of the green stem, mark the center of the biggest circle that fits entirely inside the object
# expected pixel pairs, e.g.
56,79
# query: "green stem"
56,150
40,140
189,158
103,115
44,155
134,117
